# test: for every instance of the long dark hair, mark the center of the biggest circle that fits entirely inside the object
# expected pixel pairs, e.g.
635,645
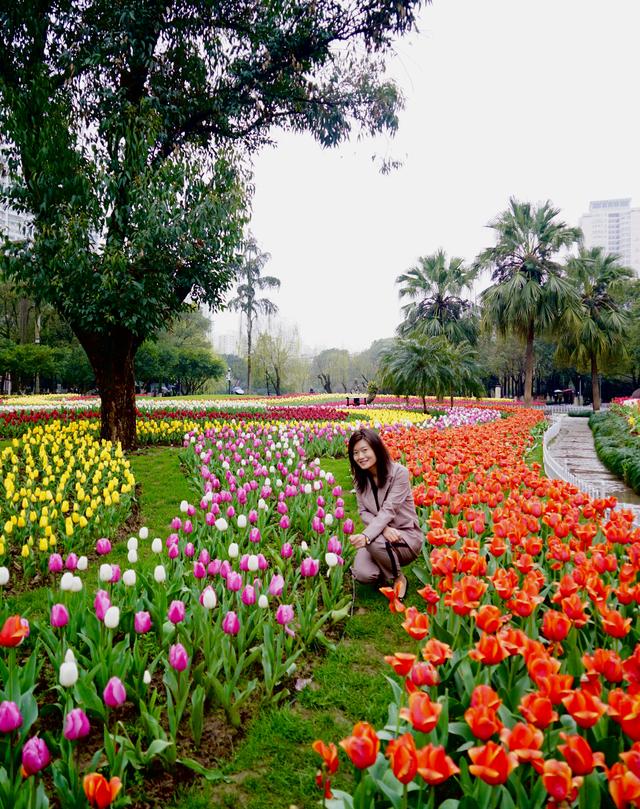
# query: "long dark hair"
383,460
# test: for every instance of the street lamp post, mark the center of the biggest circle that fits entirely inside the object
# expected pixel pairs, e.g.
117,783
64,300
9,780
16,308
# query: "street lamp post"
229,380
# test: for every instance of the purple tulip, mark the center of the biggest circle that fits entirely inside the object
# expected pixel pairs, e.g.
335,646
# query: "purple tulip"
254,535
309,567
213,568
76,725
276,586
191,510
262,562
234,581
71,562
281,508
103,546
189,550
284,616
244,562
35,755
10,717
231,624
204,557
348,526
321,501
174,551
55,563
101,604
317,525
176,524
248,595
178,657
114,693
284,522
225,568
115,574
142,622
334,545
253,516
172,539
286,551
231,512
177,611
59,615
187,527
210,518
339,513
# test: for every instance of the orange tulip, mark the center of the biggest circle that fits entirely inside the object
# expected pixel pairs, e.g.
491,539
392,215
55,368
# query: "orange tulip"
557,780
614,624
579,755
555,625
492,763
583,707
436,652
537,710
490,618
555,687
14,631
483,722
403,757
624,786
422,712
99,792
524,740
484,695
395,605
605,662
401,662
434,765
328,753
362,746
416,624
424,674
488,651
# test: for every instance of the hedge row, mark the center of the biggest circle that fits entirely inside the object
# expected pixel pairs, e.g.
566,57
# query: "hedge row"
618,450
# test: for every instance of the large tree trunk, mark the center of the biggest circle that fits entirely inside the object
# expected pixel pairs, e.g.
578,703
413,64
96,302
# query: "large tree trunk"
595,384
112,359
249,357
528,366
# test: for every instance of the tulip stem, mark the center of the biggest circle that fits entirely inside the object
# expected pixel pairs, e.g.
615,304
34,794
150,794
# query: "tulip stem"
405,796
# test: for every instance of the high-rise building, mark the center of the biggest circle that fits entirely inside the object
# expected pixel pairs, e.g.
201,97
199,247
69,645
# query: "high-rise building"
13,224
614,225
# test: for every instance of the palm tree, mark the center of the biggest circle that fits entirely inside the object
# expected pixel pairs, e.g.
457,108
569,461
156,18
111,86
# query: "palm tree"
251,282
415,366
466,371
597,331
528,289
434,288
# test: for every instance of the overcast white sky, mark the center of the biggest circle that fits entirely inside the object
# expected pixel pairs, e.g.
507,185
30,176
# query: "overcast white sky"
532,98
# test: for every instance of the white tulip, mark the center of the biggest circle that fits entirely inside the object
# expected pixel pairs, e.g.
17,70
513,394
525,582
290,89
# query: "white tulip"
278,483
129,578
105,572
76,584
160,574
304,546
184,505
68,674
156,545
4,576
263,602
221,524
331,559
317,485
267,481
83,563
328,519
323,474
209,599
112,617
132,557
233,550
69,656
307,488
65,581
146,677
143,533
242,520
132,544
253,563
262,505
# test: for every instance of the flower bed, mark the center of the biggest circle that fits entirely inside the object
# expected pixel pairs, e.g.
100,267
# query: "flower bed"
523,687
617,442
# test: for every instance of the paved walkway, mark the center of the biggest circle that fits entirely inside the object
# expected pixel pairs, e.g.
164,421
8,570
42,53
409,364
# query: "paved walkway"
573,447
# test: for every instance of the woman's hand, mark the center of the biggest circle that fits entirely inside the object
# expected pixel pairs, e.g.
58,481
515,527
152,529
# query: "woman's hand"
391,534
358,541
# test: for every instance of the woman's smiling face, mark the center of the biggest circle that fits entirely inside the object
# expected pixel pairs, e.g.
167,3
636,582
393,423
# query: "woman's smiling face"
364,456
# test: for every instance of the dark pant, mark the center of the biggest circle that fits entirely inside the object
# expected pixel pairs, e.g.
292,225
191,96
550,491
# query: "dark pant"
380,561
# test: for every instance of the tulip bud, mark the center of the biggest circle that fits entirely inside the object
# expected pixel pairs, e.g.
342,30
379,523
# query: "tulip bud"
178,658
146,677
112,617
10,717
132,544
76,725
159,574
331,559
68,675
129,578
76,584
83,563
59,615
263,602
132,556
142,622
105,573
156,545
4,576
233,550
242,521
143,533
208,599
114,693
35,756
65,581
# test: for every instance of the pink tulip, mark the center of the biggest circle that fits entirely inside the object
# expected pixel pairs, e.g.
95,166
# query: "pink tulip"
103,546
55,563
225,568
334,545
284,616
176,524
231,624
176,612
35,755
204,557
189,550
276,585
142,622
253,516
172,539
348,526
76,725
284,522
10,717
244,562
339,513
262,562
191,510
231,512
174,551
309,567
178,658
320,501
71,562
114,693
59,616
115,574
336,491
210,518
187,527
234,581
254,535
286,551
101,604
199,570
281,508
317,525
213,568
248,595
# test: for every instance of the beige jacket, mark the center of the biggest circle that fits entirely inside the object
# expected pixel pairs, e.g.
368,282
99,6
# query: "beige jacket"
397,509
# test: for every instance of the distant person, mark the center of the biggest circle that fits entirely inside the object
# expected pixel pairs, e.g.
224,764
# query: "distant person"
392,537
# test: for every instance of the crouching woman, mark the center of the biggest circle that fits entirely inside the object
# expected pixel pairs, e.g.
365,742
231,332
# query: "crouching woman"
392,537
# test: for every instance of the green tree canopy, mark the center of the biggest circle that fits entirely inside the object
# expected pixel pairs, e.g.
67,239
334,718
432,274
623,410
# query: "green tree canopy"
124,125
